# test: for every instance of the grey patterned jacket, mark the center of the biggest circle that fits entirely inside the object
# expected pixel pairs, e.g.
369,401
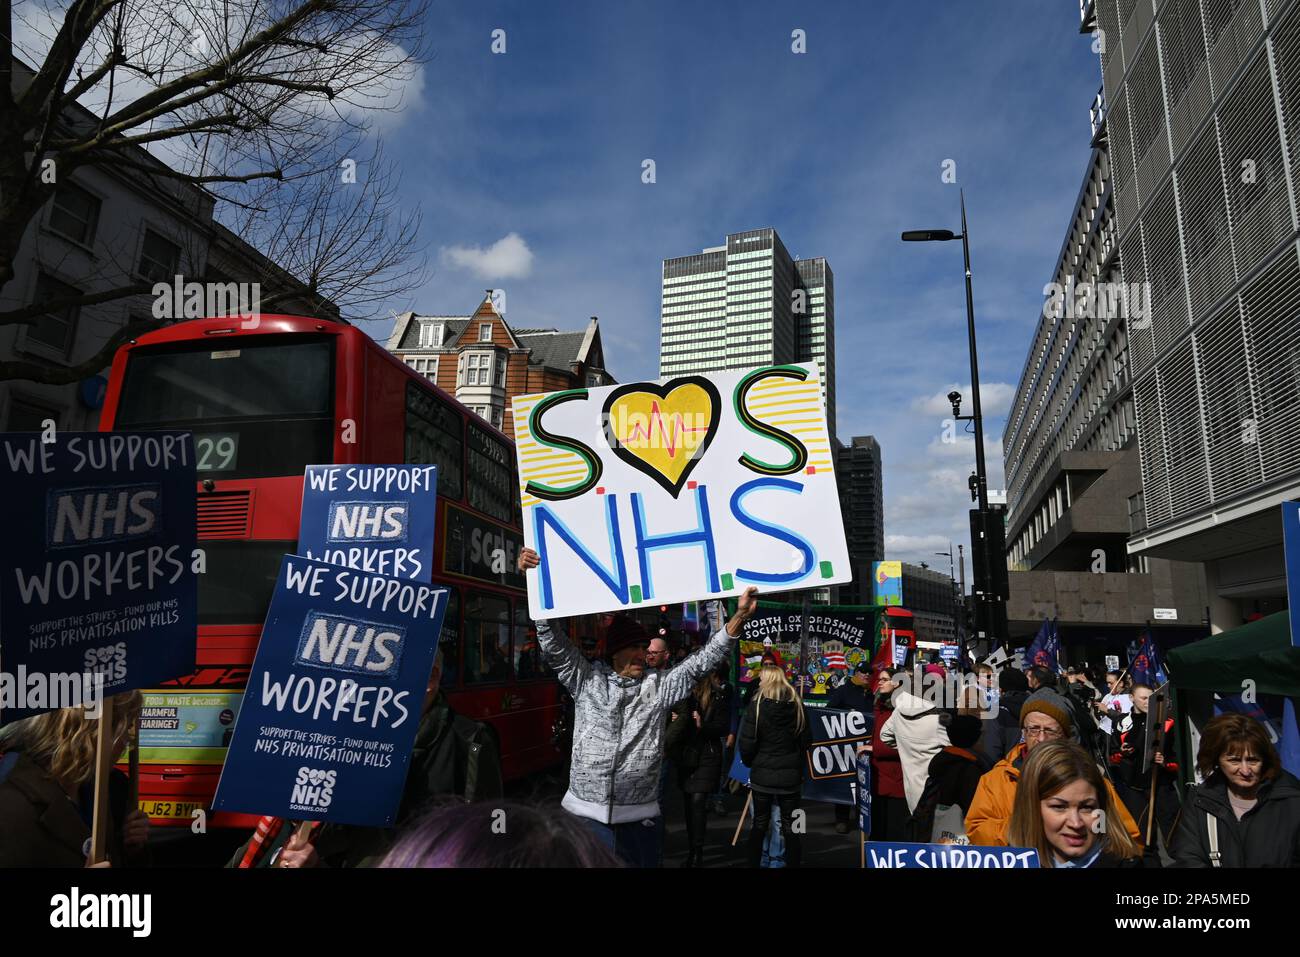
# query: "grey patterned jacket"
618,725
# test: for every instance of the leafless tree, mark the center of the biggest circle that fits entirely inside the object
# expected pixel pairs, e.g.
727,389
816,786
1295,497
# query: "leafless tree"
259,102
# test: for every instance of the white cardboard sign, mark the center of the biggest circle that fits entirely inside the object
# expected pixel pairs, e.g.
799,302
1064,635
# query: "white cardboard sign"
694,487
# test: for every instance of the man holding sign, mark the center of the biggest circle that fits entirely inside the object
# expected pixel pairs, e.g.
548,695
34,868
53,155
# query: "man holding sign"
620,715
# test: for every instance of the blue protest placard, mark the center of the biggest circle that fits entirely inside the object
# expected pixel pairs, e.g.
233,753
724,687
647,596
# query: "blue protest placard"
373,518
884,854
98,580
334,697
739,769
832,756
864,792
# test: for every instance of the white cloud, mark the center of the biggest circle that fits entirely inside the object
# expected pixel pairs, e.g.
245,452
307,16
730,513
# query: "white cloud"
507,258
995,400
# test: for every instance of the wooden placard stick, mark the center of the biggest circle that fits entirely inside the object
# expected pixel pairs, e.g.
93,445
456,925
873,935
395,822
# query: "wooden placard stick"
103,817
133,768
749,799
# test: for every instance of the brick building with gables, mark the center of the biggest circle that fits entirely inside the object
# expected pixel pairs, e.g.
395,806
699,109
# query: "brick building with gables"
485,363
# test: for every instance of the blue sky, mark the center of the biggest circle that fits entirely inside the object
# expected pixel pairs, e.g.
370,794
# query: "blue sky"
540,150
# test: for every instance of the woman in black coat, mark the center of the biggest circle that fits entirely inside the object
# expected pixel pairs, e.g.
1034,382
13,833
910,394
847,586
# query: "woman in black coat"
774,738
1248,806
695,742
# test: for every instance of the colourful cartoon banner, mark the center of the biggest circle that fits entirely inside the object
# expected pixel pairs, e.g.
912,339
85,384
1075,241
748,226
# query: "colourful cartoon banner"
888,583
694,487
840,637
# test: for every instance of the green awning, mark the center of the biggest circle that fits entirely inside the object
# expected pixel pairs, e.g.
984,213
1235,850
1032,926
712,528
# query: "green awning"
1260,651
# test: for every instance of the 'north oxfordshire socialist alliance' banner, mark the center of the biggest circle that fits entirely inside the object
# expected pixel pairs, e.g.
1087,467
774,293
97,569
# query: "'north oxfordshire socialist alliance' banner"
691,488
373,518
98,564
334,697
840,637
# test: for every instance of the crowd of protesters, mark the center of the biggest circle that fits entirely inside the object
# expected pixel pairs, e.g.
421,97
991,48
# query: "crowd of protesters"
1065,765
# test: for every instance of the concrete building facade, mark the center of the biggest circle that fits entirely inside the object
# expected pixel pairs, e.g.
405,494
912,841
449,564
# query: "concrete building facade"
858,475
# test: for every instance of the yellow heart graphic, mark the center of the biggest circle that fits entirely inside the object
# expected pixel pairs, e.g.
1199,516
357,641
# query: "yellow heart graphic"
664,430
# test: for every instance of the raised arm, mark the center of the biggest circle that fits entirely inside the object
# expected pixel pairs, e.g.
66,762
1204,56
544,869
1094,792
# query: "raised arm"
568,663
677,684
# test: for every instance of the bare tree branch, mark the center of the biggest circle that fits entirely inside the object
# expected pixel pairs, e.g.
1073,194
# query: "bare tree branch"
242,98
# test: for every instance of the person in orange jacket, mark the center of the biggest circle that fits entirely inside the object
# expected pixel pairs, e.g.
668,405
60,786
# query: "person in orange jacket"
1044,717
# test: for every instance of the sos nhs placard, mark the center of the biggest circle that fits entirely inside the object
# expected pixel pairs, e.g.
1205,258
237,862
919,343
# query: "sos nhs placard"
335,696
372,518
99,558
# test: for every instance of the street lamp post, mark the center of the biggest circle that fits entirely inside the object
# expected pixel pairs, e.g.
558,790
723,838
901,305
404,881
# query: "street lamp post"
979,490
952,577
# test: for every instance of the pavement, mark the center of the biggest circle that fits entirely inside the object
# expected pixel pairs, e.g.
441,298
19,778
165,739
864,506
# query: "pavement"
822,847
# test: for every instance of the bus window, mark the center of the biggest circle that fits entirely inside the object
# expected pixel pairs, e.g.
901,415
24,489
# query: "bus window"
487,638
434,436
493,489
258,410
529,661
449,640
240,576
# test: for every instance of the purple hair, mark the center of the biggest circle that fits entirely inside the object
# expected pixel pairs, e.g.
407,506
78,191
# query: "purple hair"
499,834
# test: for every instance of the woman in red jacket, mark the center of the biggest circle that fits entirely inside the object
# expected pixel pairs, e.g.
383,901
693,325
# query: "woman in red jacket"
889,816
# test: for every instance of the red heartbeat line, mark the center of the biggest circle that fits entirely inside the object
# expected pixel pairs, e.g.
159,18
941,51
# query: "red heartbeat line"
657,420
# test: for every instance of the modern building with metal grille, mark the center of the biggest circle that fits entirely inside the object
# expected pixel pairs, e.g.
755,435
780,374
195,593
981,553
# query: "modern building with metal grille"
748,303
1070,451
1204,141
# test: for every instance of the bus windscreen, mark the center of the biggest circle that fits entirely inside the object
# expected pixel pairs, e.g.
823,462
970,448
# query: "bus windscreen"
256,410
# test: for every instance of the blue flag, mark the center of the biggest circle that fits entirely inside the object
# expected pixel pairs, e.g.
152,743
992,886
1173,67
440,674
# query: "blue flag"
1146,667
1046,649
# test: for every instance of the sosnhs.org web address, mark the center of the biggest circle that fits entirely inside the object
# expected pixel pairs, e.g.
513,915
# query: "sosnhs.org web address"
1203,924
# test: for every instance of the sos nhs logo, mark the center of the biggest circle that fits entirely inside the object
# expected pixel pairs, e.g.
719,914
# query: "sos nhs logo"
367,522
349,644
313,789
110,661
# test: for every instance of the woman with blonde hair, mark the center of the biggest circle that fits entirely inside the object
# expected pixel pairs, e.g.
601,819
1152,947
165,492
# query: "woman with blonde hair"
47,778
774,738
1064,810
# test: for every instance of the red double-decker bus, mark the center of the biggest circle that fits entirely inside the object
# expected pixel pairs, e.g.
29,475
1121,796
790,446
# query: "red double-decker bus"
263,403
901,623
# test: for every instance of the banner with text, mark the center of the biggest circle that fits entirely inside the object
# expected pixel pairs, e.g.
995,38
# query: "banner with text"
833,754
840,637
98,555
335,696
694,487
373,518
951,856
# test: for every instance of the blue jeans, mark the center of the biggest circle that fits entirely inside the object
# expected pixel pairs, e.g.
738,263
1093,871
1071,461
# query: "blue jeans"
774,843
634,842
